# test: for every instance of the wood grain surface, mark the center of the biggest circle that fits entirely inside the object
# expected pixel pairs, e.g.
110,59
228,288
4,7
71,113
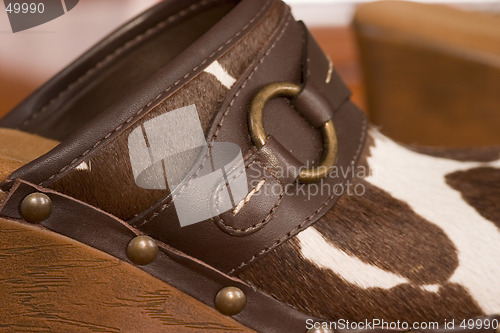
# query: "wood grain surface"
50,283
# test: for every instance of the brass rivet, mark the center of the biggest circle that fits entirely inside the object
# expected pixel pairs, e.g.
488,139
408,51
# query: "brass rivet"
230,301
142,250
36,207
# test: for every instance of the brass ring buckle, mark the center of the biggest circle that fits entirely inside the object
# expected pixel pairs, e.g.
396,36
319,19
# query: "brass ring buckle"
259,136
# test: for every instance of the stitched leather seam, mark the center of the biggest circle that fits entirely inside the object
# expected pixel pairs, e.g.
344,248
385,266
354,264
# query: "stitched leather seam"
245,158
117,52
311,217
166,205
233,177
239,173
267,218
209,58
264,57
168,200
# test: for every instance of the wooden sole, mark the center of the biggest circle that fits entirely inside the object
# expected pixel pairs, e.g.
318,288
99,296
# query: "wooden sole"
50,283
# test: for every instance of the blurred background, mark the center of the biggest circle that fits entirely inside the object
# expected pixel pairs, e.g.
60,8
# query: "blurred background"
427,72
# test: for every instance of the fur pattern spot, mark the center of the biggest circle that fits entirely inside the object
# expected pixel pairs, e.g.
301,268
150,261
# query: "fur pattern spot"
421,244
480,188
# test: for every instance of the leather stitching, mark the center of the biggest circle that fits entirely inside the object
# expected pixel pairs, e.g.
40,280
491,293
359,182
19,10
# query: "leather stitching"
267,218
112,56
168,200
209,58
298,228
219,125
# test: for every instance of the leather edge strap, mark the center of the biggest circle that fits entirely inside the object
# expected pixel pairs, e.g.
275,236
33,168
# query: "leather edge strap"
314,102
91,226
83,143
282,217
490,329
275,157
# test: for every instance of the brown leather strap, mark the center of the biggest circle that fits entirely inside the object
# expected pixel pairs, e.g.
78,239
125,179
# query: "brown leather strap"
277,207
457,328
283,207
105,232
323,91
279,161
198,259
110,124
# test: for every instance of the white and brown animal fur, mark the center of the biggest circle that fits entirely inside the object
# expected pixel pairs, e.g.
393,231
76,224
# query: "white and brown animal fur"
422,243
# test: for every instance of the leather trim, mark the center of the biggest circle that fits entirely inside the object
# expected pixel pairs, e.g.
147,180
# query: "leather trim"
316,101
228,31
277,218
195,259
313,106
105,232
260,204
277,157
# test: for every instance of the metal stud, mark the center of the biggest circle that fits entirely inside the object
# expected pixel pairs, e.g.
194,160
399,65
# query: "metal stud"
230,301
142,250
36,207
320,330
